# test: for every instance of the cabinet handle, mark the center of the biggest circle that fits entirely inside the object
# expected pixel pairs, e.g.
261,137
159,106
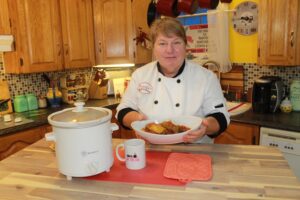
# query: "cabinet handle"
99,46
59,49
66,49
292,38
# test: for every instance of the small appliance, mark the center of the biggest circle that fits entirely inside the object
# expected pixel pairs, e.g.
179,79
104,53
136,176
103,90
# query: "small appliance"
268,92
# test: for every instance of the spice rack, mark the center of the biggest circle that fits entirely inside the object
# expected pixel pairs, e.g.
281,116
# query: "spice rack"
74,87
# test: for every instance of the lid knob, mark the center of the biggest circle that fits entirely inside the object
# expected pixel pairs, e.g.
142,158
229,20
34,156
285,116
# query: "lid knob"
79,107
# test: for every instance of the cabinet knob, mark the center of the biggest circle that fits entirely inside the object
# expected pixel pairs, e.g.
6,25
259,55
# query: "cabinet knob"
66,49
292,38
99,46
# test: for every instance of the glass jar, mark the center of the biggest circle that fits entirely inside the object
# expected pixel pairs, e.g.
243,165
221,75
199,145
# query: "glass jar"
295,95
20,103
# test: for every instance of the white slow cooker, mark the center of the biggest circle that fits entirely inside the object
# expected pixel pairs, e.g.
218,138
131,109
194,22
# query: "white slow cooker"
83,137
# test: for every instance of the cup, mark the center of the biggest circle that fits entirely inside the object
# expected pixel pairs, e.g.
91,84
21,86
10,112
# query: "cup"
135,157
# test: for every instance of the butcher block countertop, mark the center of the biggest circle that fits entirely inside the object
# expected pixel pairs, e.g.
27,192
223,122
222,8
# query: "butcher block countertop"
239,172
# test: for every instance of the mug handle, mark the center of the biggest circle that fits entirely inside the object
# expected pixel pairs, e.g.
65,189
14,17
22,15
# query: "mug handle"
117,152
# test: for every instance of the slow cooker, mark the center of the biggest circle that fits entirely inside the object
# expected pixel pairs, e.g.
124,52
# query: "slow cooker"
83,137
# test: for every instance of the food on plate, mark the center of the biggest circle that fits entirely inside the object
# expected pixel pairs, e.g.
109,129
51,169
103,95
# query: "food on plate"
165,127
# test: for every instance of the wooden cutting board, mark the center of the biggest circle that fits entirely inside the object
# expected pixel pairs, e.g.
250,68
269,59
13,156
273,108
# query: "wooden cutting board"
4,94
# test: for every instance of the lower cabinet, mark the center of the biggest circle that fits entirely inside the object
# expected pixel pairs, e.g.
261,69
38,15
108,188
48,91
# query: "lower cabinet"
239,133
122,132
11,143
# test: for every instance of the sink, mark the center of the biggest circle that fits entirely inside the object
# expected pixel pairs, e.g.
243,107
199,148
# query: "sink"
236,108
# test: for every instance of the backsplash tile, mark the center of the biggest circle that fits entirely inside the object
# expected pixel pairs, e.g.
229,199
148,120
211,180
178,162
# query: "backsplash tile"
34,83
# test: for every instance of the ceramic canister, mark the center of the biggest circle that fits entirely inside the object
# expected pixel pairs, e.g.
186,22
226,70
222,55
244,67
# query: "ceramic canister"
295,95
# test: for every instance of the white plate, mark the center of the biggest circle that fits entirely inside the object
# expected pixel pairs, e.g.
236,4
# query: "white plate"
192,122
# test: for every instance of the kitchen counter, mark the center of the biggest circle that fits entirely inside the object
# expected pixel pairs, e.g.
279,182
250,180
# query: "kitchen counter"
239,172
278,120
286,121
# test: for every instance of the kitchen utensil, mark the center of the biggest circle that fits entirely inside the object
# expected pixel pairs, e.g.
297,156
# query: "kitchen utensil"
167,8
151,12
187,6
209,4
83,137
134,153
192,122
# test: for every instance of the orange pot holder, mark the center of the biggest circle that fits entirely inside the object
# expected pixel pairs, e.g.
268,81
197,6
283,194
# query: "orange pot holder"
188,167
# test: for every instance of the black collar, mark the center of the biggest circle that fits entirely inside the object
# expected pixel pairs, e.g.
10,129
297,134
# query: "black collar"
178,73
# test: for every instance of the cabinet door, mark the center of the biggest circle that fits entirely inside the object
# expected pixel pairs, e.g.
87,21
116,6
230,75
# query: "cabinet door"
239,133
113,31
4,18
143,52
277,32
11,143
36,28
78,33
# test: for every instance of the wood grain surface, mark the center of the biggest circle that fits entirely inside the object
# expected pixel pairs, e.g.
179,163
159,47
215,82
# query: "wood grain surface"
239,172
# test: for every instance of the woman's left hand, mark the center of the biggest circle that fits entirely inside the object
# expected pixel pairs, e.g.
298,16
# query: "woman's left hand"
197,134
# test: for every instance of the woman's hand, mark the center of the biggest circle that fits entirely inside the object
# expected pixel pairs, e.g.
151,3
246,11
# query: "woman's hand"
197,134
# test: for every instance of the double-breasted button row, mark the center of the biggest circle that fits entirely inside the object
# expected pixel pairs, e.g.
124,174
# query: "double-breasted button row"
177,104
178,80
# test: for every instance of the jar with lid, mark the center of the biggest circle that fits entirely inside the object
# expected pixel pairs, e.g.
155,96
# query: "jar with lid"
32,101
20,103
295,94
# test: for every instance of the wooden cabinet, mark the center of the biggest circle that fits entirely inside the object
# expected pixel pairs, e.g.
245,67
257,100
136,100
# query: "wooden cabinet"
122,132
78,33
279,32
11,143
239,133
50,35
4,18
115,31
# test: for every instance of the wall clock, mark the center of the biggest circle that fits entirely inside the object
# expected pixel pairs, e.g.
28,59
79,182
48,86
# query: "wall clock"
245,18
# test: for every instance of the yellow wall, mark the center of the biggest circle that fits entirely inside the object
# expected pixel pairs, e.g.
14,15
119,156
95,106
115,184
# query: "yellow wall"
243,49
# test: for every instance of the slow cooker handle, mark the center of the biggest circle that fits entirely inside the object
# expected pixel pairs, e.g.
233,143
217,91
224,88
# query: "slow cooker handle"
50,137
114,127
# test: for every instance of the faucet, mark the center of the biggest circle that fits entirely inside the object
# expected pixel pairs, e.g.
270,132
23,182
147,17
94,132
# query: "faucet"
213,66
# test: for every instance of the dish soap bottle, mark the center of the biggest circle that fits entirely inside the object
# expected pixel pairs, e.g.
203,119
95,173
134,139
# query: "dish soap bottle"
286,105
295,94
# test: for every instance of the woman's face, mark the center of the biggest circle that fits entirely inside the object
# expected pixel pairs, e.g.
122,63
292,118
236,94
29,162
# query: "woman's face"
170,53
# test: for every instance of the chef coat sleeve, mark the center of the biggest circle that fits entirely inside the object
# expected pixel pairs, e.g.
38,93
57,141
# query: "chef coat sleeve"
214,104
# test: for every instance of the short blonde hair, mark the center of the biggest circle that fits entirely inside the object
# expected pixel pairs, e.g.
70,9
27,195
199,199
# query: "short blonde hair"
167,26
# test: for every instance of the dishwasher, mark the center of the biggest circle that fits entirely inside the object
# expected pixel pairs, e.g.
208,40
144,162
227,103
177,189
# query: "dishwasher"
287,141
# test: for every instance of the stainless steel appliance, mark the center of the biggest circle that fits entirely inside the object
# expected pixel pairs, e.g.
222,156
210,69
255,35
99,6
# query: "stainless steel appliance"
268,92
287,141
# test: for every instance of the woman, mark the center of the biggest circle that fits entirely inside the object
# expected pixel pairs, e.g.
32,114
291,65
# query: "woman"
172,86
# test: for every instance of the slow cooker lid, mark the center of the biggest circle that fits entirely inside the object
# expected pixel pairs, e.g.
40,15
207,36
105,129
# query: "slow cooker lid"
80,114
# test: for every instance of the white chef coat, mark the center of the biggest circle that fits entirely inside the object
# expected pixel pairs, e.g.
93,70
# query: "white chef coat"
196,91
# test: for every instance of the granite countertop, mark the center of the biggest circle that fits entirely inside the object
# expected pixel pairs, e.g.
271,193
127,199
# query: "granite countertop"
35,118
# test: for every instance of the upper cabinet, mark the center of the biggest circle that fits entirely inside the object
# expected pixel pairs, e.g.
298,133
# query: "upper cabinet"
117,24
78,33
279,39
50,35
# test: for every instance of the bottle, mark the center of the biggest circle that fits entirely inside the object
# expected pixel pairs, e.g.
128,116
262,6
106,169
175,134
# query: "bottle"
20,103
295,95
32,101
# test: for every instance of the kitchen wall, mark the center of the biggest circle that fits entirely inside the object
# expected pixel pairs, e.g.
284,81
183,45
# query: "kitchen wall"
33,83
243,51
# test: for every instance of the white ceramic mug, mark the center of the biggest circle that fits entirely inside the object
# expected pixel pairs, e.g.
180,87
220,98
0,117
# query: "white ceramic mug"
135,157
